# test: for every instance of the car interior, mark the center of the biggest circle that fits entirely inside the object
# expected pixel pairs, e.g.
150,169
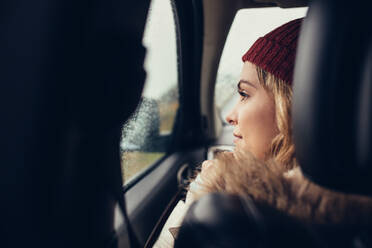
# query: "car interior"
107,112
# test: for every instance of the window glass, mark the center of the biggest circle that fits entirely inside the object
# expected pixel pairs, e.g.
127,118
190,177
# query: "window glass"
146,135
248,26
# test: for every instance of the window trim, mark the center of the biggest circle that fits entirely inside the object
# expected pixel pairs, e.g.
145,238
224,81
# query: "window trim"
168,150
143,173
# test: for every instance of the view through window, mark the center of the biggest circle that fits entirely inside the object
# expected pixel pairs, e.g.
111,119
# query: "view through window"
146,135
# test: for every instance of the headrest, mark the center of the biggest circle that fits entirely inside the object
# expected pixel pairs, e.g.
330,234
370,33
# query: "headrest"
222,220
72,73
332,105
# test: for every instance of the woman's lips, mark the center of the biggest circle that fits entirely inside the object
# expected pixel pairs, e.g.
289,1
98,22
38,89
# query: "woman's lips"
237,137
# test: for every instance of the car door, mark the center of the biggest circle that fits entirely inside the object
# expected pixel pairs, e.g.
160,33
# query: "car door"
164,136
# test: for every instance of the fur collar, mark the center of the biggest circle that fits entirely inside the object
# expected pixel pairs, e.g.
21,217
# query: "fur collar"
286,190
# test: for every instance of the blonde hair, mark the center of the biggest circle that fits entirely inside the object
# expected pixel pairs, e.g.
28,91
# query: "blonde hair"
282,149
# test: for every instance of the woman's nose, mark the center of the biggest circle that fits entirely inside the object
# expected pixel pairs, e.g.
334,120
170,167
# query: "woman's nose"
231,118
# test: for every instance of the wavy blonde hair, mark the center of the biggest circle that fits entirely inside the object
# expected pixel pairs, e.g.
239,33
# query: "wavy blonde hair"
282,148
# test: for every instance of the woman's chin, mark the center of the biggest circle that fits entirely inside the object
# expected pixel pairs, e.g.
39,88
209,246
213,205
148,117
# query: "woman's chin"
239,145
237,141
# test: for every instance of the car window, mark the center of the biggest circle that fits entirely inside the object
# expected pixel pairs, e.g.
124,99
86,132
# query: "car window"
147,133
248,25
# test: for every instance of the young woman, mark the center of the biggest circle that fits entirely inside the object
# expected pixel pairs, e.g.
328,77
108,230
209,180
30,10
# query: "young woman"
263,164
261,117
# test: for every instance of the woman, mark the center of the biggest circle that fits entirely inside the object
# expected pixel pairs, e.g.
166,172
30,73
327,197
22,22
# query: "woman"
261,117
262,128
263,164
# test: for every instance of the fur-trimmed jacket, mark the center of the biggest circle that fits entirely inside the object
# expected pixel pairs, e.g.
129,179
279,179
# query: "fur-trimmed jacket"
286,190
271,184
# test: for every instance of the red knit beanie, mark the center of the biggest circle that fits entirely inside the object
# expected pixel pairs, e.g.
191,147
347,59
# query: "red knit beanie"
276,51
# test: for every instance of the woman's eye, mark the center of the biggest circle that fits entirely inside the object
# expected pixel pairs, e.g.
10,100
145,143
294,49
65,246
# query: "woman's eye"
243,95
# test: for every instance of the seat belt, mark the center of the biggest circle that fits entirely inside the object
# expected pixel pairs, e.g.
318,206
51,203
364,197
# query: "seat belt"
163,218
183,179
118,191
133,240
114,177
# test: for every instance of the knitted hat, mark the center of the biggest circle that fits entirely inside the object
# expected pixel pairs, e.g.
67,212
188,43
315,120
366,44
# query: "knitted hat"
276,51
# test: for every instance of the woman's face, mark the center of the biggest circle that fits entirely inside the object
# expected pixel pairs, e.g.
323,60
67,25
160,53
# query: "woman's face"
253,117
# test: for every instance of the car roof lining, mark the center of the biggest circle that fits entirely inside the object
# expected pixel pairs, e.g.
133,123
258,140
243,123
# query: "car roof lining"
218,18
277,3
